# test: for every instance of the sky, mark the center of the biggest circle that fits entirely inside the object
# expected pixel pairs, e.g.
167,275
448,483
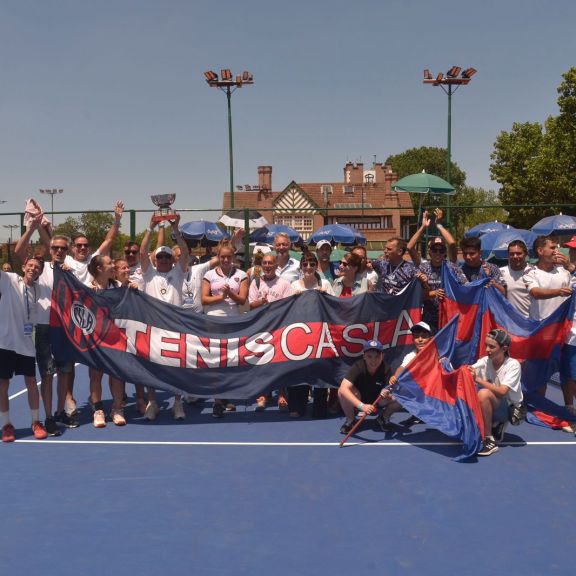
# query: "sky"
107,99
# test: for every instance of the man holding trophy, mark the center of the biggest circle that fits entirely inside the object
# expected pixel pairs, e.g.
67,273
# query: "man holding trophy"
163,279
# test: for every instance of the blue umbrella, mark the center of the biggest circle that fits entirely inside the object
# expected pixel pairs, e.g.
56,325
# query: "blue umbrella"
337,234
206,233
496,243
269,232
481,229
559,224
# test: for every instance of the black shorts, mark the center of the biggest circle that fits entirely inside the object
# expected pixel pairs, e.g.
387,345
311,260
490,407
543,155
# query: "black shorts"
13,364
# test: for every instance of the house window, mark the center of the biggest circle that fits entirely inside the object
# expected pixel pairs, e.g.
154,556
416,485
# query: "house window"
326,189
349,190
304,225
387,222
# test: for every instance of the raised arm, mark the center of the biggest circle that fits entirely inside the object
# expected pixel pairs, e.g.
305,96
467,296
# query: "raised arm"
21,249
145,246
106,245
413,242
183,261
448,238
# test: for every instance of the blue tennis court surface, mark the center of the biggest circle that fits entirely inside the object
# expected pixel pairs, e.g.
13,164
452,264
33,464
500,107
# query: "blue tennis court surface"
258,493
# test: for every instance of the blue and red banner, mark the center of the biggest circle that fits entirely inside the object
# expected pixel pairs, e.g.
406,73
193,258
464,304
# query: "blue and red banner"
443,398
310,338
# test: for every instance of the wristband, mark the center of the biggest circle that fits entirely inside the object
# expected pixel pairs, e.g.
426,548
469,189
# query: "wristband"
117,222
439,226
360,406
150,230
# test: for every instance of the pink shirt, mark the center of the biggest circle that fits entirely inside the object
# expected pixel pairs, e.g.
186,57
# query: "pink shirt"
273,290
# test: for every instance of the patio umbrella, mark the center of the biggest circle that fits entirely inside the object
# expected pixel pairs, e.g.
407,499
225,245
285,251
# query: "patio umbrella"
269,232
559,224
496,243
235,219
337,234
423,183
203,232
484,228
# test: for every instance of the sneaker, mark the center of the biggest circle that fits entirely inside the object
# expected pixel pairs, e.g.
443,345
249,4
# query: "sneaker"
282,403
384,424
152,411
51,427
347,426
412,421
99,419
178,410
8,433
68,420
261,403
489,446
498,431
117,417
218,410
39,430
570,428
229,407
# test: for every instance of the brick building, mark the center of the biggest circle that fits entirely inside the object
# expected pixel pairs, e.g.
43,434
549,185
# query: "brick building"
363,199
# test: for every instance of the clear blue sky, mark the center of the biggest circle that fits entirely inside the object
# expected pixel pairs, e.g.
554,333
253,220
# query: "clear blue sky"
107,98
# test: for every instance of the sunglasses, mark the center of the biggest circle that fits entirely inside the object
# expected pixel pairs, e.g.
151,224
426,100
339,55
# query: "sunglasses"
163,256
81,245
438,250
308,264
344,263
130,251
63,248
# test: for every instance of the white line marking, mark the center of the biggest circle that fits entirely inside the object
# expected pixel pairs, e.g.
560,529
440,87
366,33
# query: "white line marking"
381,444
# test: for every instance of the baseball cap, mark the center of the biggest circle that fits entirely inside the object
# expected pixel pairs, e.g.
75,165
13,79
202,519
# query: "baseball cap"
421,326
321,243
571,243
164,249
500,336
373,345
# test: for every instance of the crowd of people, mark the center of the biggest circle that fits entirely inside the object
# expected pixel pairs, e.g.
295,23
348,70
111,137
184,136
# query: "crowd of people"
218,285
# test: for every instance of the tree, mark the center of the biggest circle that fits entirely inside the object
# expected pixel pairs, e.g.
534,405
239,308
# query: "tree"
536,164
94,225
465,218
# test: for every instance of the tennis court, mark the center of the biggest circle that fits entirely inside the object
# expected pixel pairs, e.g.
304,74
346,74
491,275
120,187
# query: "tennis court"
258,493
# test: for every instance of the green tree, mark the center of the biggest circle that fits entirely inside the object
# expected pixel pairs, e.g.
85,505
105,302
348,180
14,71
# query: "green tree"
536,164
465,218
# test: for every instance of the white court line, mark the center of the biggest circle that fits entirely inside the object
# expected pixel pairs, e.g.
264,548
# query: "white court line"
383,444
23,391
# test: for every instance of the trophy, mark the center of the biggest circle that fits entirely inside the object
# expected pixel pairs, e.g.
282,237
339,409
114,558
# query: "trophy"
164,212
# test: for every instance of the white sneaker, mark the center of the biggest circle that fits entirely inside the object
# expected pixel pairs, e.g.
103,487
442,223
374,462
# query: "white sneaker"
178,410
152,411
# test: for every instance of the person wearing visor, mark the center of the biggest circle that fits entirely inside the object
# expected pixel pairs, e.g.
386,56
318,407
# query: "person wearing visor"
365,380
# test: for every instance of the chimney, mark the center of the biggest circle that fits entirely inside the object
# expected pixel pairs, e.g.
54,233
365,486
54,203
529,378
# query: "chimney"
265,178
354,173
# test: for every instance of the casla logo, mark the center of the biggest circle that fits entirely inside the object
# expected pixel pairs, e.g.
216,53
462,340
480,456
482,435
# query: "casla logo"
83,318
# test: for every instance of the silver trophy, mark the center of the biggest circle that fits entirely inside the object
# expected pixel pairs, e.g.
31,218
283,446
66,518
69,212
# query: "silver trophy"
164,212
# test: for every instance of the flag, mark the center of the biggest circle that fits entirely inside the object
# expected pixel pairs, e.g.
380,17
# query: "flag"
445,399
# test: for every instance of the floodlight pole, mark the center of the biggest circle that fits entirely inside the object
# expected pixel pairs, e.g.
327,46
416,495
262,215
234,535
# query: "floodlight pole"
227,84
11,227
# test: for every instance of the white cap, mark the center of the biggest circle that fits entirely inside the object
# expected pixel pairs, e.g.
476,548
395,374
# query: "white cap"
165,249
421,326
321,243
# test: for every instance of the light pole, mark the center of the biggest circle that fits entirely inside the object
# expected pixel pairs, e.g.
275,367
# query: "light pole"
52,192
11,227
228,84
449,83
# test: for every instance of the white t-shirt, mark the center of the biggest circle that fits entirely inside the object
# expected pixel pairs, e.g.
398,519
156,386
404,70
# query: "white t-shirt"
226,307
80,269
273,290
192,287
298,286
18,307
45,286
408,358
136,276
516,290
536,278
507,375
166,286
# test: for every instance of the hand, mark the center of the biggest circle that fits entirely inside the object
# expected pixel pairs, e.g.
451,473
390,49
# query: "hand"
561,260
153,223
486,269
369,409
425,219
385,392
119,209
174,223
565,292
438,214
472,371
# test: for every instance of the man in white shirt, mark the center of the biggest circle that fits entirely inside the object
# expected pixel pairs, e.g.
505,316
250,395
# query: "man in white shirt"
516,290
18,310
288,268
164,282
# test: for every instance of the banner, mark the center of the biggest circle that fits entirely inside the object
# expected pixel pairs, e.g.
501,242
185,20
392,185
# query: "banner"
443,398
309,338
